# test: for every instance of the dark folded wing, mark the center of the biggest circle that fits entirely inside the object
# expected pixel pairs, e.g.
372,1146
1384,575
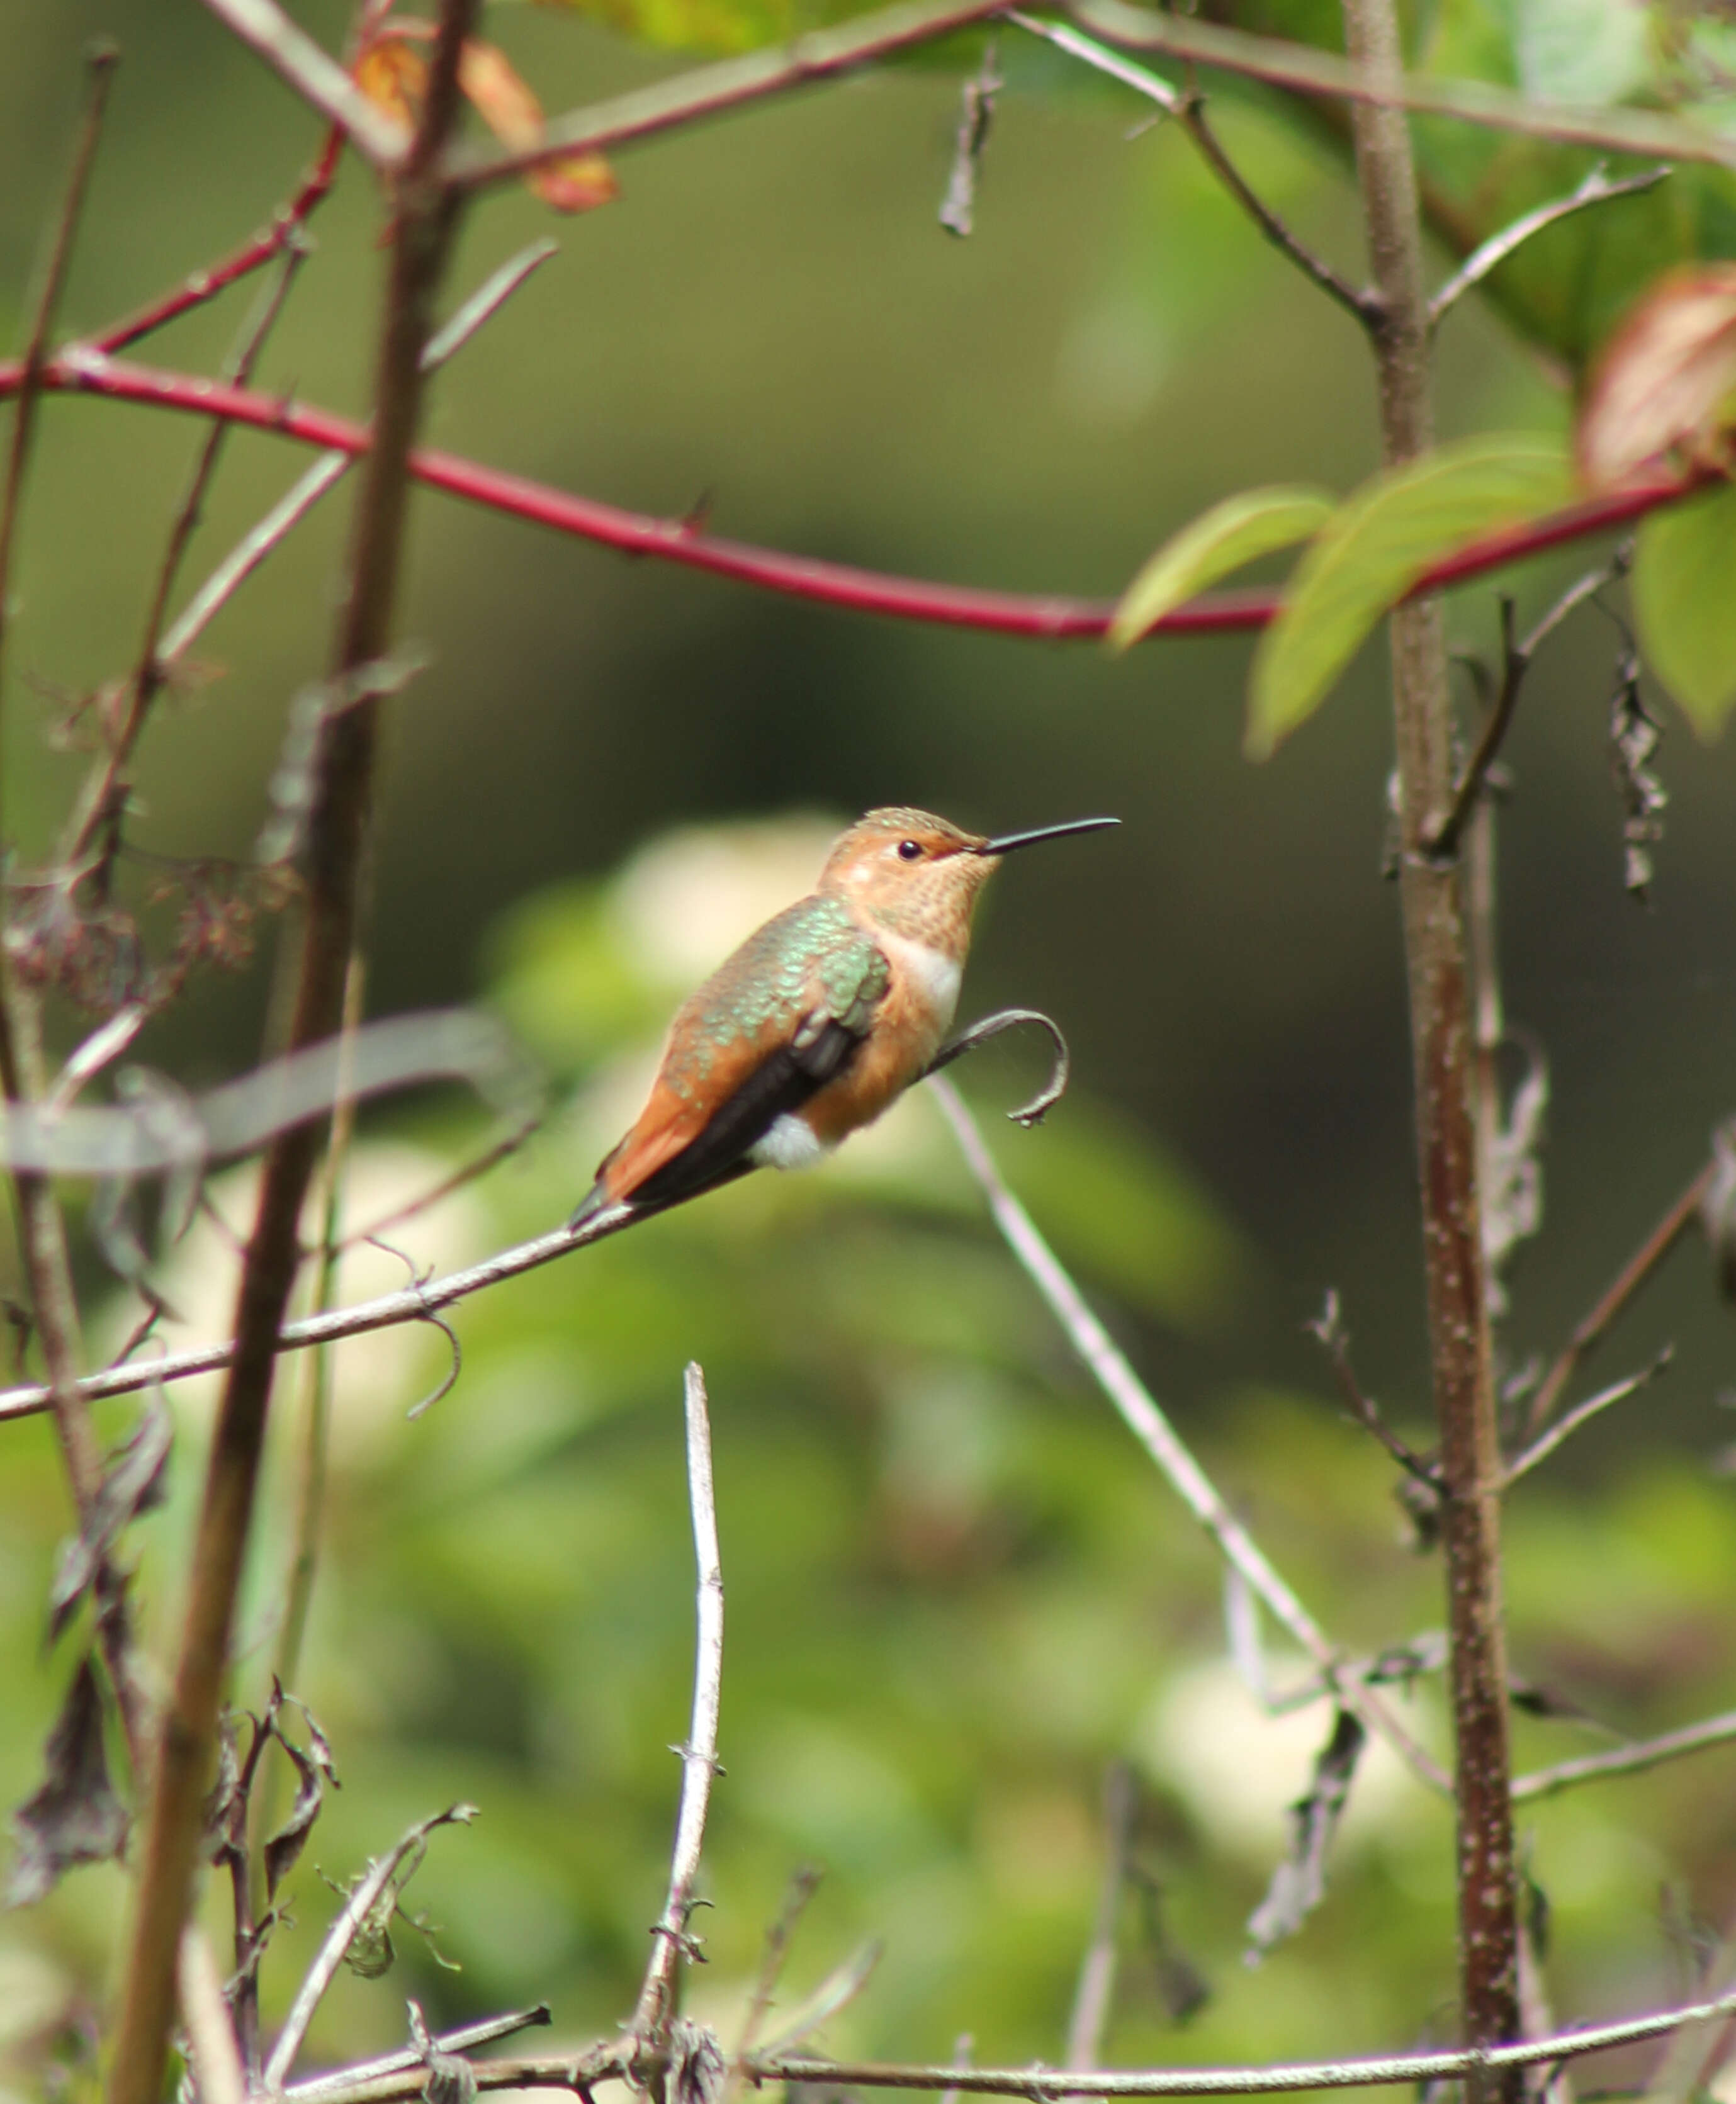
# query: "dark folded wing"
782,1082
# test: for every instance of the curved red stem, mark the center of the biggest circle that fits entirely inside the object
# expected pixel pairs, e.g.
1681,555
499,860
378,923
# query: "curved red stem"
83,370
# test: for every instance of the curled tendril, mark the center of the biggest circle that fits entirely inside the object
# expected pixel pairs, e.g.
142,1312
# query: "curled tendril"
991,1026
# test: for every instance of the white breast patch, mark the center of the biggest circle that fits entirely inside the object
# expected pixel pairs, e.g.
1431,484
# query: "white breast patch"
938,974
788,1143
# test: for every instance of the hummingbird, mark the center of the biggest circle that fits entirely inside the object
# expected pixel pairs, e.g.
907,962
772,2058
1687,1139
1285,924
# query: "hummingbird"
820,1020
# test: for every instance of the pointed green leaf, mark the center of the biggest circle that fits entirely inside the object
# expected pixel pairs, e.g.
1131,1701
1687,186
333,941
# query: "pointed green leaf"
1683,566
1253,523
1382,540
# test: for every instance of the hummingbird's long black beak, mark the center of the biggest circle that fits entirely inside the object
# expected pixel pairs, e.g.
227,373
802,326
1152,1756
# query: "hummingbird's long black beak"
1008,841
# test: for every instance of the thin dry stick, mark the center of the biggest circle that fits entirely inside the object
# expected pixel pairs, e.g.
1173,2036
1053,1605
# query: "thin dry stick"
104,792
1581,1413
1626,1760
424,219
372,1891
316,1390
1313,71
42,1233
322,2089
1140,1413
217,2063
1437,964
329,470
709,91
1188,109
1597,189
1651,1253
1048,2085
1441,837
317,78
670,1939
1096,1992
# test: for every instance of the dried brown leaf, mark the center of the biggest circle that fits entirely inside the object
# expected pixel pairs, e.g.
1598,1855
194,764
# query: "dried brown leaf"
1666,380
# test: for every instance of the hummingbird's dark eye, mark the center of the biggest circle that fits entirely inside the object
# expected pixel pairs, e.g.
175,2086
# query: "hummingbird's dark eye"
909,850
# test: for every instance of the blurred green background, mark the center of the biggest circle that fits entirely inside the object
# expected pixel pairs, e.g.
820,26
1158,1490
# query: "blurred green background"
956,1590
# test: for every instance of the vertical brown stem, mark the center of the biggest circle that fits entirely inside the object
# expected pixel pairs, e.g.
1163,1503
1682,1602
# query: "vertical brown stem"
425,212
1438,970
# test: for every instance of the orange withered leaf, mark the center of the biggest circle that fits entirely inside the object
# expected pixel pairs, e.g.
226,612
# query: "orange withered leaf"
577,182
1666,381
393,76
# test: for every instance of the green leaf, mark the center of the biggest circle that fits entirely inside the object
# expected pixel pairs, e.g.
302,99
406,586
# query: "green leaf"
1581,51
1221,540
1382,539
1686,611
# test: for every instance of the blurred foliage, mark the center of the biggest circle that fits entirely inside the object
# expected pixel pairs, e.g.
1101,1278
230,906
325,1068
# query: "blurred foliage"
956,1590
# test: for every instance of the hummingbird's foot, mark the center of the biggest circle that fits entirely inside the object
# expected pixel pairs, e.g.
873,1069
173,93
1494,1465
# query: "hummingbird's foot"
991,1026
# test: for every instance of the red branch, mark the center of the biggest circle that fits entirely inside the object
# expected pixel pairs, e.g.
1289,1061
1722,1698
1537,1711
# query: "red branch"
82,370
203,285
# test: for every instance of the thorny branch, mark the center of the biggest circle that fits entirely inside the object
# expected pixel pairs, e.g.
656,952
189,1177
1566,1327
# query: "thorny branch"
1051,617
669,1939
1147,1424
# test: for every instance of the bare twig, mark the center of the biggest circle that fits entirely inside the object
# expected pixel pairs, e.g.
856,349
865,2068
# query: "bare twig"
1581,1413
1626,1760
343,773
329,470
1312,71
316,77
409,1305
34,362
670,1939
577,2072
326,2088
1597,189
1442,837
42,1231
1140,1413
1046,2085
1096,1992
709,91
216,2062
371,1891
777,1939
249,552
98,809
1327,1326
1188,109
316,1386
1657,1244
